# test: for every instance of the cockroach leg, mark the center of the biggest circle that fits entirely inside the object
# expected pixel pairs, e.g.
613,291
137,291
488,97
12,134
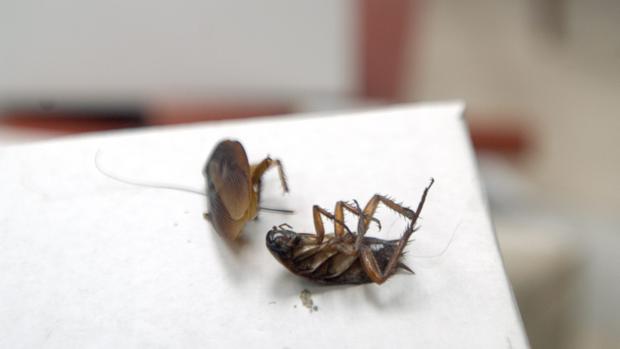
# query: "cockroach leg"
259,169
371,207
282,175
317,211
369,262
362,225
337,217
256,174
285,225
339,213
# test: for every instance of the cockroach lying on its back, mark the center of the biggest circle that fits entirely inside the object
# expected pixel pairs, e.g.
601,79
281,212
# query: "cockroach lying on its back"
234,187
344,257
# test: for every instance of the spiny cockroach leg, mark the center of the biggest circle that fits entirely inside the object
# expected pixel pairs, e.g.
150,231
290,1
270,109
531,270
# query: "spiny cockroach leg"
317,211
282,175
369,262
362,225
259,169
371,206
339,213
371,209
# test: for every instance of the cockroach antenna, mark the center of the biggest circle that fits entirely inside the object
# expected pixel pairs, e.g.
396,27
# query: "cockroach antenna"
445,249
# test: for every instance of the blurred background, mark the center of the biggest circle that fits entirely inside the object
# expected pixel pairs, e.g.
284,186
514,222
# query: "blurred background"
541,80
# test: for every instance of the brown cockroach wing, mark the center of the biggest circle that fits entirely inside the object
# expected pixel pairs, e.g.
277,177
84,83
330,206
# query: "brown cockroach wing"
227,173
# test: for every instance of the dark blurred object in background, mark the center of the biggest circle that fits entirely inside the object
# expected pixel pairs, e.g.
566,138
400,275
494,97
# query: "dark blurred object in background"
67,118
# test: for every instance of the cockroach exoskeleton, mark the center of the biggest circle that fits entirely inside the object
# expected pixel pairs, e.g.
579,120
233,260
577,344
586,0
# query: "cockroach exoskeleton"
344,257
234,187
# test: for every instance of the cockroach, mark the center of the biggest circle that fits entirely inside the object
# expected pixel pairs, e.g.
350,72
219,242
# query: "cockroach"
234,187
344,257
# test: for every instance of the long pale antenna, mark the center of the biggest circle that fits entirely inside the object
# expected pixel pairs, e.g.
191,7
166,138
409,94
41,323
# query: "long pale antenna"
167,186
444,249
145,184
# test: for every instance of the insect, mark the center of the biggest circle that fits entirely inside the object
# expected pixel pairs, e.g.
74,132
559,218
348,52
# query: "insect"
344,257
234,187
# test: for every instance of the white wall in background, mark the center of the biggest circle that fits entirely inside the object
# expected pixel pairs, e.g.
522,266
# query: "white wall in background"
153,46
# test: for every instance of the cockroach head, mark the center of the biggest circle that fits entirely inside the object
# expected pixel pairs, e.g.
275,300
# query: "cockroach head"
282,242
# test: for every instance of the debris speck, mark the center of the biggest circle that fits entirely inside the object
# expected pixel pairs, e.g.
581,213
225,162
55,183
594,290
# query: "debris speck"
272,302
176,224
306,300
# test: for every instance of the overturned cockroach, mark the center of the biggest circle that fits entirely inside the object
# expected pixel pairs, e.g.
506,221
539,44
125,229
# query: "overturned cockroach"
344,257
234,187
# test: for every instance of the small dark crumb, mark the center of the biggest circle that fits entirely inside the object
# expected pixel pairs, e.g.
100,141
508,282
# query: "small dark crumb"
272,302
176,224
294,305
306,300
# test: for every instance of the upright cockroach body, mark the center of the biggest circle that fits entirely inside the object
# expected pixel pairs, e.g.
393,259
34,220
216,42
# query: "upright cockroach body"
344,257
234,187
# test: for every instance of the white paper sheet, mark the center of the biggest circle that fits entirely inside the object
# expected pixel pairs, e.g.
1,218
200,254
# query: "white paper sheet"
86,261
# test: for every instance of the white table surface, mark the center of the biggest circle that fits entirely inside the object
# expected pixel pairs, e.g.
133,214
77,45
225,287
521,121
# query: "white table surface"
86,261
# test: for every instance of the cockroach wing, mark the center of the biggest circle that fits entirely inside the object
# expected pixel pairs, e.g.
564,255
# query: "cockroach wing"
227,174
232,186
